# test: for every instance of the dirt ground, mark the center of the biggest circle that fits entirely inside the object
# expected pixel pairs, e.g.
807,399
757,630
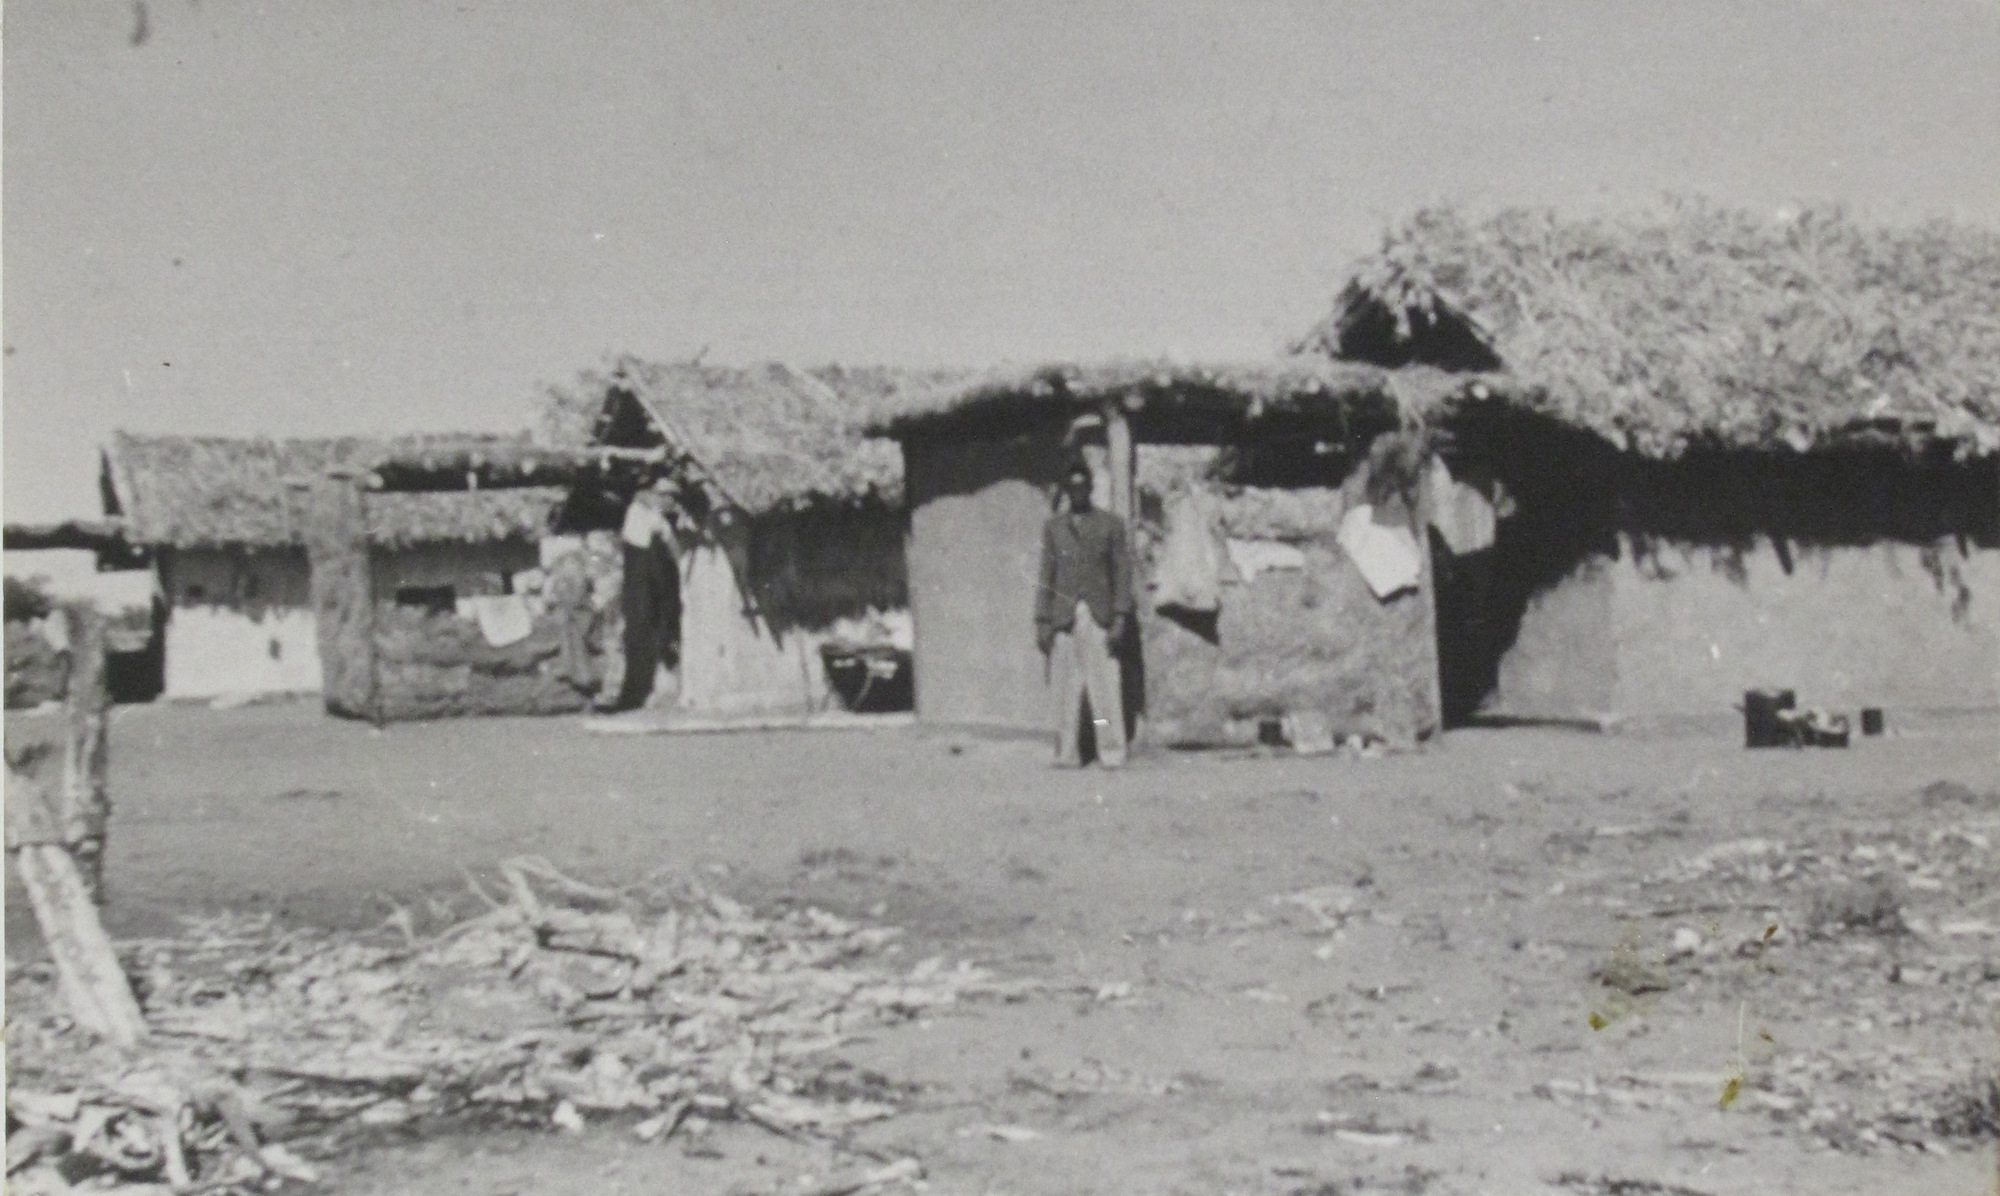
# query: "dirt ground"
1518,961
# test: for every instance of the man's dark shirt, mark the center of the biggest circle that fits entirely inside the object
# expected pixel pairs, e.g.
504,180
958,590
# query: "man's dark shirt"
1084,558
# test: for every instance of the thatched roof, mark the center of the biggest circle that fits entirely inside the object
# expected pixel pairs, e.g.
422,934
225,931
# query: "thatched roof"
1701,327
1178,402
762,436
212,492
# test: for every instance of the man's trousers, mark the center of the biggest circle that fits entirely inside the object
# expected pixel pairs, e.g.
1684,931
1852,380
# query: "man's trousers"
1086,675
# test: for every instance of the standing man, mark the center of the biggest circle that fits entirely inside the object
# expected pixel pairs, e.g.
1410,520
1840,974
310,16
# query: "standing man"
650,594
1083,613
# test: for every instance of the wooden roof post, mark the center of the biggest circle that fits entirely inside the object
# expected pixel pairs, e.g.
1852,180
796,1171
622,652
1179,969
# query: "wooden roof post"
1119,448
1420,518
343,591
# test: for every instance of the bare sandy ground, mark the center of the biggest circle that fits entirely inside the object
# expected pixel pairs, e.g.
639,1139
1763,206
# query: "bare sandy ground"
1518,961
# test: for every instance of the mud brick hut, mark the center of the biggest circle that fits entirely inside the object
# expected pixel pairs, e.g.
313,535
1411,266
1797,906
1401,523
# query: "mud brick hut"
798,518
226,523
1746,452
1274,456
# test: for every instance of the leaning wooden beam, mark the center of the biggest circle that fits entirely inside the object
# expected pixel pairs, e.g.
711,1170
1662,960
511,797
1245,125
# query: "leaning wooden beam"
94,535
39,836
87,969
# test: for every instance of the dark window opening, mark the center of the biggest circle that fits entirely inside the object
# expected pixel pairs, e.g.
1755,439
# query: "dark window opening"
435,600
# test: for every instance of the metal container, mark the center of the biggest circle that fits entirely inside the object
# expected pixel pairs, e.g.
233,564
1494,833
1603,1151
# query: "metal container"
1762,725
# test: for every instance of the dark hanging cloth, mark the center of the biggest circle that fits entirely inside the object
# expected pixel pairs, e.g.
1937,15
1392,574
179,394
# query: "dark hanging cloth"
651,597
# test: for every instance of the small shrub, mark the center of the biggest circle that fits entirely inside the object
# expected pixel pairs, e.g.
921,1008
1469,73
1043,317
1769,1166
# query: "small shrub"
26,601
36,672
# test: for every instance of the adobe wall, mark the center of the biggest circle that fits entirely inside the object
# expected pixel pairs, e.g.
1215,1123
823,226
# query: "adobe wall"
239,623
1311,639
1844,626
1563,663
742,655
1679,632
976,515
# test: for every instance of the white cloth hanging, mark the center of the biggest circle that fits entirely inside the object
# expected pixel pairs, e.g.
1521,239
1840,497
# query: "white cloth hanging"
1388,557
1251,557
1192,559
1464,518
503,618
643,525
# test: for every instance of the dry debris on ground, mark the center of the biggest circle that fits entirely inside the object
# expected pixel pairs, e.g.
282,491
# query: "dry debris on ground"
1878,933
268,1048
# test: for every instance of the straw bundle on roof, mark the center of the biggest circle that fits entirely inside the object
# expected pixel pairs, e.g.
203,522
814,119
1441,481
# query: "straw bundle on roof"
764,436
210,492
1701,327
1176,401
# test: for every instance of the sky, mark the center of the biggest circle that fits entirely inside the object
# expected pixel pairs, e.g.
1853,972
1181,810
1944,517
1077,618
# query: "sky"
312,218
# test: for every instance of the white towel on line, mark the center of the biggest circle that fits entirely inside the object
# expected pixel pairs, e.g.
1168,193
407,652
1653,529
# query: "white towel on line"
1387,556
503,618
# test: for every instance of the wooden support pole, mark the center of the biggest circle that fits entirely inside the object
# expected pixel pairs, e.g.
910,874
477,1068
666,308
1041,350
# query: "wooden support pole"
1123,455
1425,511
85,813
1119,448
343,592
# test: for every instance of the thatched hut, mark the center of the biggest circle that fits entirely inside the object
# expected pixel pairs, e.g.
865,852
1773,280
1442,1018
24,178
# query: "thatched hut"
226,521
1746,452
1279,452
799,517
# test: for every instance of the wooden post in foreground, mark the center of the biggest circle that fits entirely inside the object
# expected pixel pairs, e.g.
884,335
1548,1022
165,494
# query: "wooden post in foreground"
58,837
93,984
86,807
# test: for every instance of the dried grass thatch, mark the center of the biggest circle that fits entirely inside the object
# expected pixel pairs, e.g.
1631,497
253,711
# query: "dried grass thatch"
762,437
1699,328
1177,402
815,566
207,492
